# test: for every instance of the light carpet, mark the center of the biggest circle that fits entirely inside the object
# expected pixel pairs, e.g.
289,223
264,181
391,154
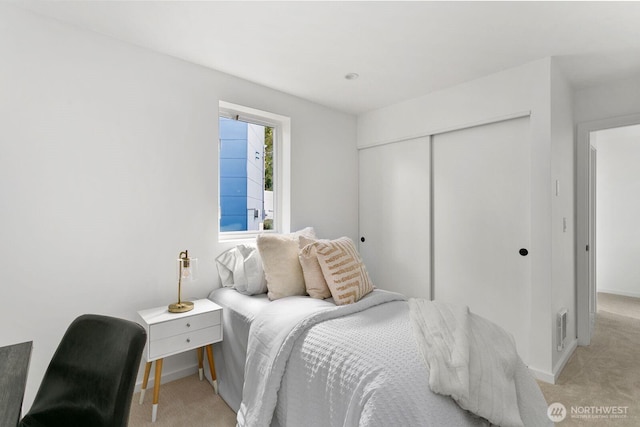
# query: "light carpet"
184,402
605,374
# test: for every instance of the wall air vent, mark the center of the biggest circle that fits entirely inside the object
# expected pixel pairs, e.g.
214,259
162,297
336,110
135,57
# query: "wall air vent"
562,328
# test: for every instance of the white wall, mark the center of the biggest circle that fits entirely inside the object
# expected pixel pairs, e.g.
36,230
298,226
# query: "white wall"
614,99
562,212
108,168
618,210
522,89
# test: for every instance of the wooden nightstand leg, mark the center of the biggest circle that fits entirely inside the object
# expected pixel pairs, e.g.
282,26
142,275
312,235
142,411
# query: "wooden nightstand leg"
156,390
212,368
200,357
145,381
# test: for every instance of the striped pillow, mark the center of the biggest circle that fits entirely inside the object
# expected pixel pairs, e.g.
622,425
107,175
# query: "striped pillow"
343,270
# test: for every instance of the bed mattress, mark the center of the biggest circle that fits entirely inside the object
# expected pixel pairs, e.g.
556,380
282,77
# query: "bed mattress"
238,312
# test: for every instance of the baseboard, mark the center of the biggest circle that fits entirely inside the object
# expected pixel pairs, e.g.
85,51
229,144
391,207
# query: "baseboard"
624,294
552,377
547,377
169,376
557,370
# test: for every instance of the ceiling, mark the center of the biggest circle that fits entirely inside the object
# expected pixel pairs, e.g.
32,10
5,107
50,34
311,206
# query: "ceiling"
401,50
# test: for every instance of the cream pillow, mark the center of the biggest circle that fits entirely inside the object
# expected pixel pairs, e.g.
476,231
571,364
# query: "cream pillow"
279,253
313,276
343,270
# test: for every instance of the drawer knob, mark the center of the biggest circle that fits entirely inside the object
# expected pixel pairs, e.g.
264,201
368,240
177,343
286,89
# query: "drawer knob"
188,339
188,325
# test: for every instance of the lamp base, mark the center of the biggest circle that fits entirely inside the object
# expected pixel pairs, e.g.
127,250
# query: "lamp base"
180,307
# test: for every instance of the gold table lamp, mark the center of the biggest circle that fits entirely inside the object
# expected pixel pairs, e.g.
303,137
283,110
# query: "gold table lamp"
187,271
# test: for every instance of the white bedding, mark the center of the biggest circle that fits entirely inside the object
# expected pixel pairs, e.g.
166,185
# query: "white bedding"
474,362
314,364
238,312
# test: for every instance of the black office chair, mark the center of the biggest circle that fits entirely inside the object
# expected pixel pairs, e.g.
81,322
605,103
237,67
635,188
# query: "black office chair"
90,380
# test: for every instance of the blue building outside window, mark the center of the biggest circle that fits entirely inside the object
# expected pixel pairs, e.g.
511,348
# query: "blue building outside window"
241,175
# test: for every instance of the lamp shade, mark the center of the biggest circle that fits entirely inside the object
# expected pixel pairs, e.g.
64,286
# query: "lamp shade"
187,271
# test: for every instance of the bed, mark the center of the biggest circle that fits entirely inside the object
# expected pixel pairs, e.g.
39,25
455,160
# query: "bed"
305,361
238,311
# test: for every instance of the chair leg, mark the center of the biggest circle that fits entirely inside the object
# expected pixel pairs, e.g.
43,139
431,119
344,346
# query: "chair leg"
212,367
200,350
145,381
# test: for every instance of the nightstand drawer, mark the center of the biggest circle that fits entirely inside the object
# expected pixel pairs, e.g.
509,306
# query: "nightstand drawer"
183,325
184,342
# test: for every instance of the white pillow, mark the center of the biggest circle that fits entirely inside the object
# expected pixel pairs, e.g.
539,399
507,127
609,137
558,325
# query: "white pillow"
279,253
307,232
226,263
241,268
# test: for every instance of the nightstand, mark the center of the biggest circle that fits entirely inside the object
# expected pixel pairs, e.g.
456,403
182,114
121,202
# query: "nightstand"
173,333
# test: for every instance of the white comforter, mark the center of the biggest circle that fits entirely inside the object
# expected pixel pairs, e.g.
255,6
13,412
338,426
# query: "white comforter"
474,362
312,363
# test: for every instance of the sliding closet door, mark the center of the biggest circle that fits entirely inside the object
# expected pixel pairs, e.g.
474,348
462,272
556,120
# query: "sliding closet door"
394,216
481,222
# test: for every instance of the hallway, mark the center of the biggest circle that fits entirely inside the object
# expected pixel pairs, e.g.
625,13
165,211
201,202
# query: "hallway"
604,376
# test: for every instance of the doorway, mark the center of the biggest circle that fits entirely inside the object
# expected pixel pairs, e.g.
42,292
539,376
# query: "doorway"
618,209
591,136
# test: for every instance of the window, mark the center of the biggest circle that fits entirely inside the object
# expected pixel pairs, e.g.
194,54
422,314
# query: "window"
253,172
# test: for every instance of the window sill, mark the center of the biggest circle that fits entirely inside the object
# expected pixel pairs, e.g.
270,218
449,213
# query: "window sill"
234,236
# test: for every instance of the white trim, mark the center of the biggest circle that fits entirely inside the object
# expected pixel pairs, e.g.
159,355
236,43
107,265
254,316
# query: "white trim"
281,166
621,293
250,115
439,131
547,377
237,236
571,348
552,377
432,245
582,216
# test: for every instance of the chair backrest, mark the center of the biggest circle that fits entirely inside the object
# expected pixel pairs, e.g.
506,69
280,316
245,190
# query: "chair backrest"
91,377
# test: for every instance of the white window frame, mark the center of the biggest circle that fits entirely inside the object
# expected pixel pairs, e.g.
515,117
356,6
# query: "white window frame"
281,167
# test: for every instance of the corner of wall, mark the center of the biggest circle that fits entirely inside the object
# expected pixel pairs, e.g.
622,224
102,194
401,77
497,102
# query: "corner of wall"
563,292
564,358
